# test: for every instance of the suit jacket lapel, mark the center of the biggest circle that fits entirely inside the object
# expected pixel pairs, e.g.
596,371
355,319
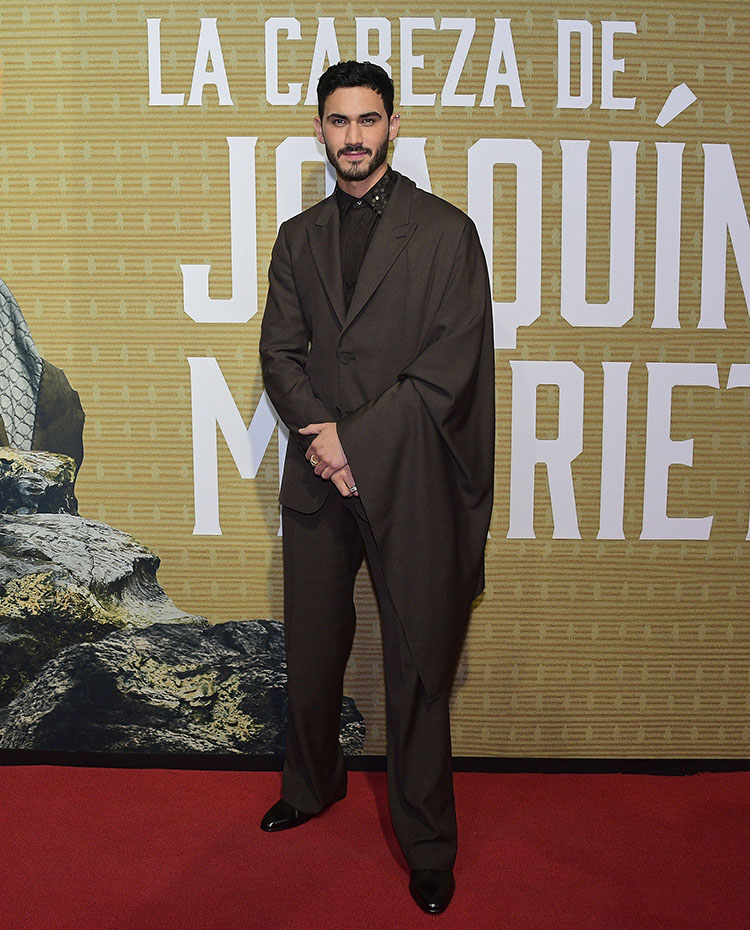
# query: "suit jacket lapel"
391,235
325,246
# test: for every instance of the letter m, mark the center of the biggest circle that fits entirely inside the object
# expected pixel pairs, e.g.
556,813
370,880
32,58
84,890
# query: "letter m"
214,405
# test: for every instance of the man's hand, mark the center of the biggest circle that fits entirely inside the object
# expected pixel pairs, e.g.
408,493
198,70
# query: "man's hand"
344,481
325,451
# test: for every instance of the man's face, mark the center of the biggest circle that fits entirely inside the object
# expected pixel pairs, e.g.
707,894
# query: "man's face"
356,131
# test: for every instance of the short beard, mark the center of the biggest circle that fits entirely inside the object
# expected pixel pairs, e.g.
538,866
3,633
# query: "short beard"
358,171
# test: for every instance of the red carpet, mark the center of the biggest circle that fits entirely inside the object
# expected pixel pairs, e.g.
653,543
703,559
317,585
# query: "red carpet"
94,849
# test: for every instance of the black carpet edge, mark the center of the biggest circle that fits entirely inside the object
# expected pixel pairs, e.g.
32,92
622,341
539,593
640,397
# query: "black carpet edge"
230,762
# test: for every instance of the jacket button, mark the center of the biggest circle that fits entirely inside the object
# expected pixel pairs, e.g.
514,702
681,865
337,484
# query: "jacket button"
344,358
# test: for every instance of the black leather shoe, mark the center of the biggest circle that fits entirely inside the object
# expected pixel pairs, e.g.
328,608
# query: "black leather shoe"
432,889
282,816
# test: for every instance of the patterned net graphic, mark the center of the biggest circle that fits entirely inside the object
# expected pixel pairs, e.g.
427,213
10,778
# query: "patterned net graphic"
20,372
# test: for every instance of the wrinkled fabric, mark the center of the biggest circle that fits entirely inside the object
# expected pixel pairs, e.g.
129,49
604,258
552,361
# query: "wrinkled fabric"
421,453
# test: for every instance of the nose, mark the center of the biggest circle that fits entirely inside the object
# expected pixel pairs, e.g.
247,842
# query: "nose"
353,133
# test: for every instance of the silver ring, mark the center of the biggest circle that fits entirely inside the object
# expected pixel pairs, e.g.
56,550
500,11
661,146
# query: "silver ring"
352,489
314,461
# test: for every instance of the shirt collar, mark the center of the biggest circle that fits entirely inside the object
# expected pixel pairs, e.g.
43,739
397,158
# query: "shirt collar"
376,197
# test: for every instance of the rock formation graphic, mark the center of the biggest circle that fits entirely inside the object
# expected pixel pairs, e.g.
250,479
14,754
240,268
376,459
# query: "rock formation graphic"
93,654
95,657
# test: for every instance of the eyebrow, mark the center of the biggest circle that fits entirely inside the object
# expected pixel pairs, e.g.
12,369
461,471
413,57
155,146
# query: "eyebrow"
361,115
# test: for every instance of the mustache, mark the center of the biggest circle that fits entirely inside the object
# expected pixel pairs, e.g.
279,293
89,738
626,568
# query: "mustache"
352,149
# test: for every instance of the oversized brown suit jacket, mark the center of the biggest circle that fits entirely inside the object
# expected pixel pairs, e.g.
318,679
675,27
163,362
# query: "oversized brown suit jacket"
408,374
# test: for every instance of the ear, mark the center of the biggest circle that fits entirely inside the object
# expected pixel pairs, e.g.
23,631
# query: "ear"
393,126
318,129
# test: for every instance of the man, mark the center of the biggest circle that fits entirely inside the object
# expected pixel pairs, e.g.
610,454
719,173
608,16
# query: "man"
377,354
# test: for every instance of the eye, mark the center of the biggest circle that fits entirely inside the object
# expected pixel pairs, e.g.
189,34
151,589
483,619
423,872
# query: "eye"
339,121
368,120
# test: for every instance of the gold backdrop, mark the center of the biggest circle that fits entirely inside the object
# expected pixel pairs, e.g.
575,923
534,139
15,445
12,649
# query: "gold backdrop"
578,647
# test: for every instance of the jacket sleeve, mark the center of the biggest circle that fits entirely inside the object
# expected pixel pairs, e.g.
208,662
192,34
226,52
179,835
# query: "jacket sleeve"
447,391
284,347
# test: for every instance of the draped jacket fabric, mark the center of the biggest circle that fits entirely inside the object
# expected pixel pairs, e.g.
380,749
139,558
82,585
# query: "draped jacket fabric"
408,374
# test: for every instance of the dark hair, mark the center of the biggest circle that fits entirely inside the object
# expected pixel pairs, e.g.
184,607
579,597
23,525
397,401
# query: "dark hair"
356,74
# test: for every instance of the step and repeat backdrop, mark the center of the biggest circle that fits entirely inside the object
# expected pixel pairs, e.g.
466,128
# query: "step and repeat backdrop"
148,153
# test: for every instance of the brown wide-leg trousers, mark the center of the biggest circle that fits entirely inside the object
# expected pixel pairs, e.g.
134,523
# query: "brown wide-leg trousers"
322,553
